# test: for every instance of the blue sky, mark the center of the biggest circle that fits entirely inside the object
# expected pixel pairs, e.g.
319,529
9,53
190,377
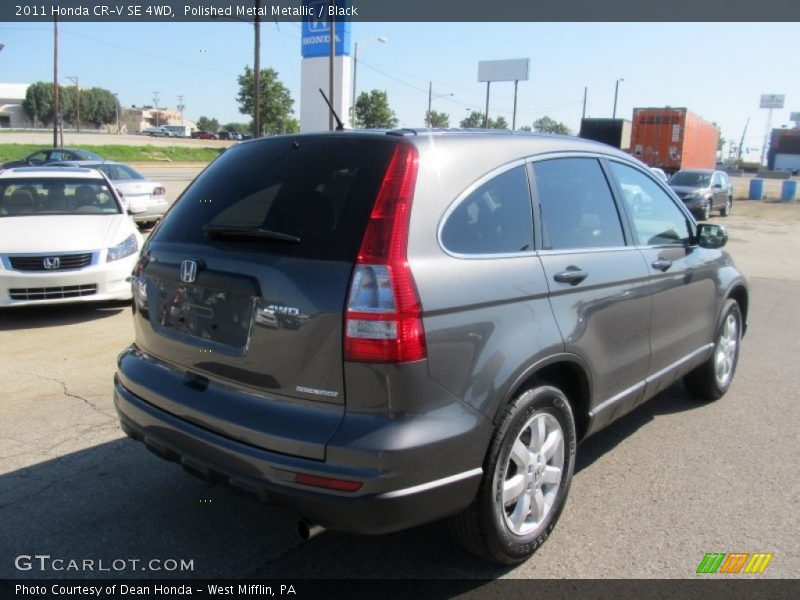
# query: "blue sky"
716,70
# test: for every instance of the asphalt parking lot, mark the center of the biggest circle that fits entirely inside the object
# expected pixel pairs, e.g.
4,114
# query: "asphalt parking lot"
652,493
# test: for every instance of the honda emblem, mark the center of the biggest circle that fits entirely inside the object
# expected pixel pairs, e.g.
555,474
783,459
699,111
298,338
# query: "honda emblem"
51,262
188,271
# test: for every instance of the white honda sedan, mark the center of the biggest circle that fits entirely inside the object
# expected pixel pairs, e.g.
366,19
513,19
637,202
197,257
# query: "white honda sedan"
64,237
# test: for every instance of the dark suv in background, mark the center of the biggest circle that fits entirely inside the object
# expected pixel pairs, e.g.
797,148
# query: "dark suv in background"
380,329
703,191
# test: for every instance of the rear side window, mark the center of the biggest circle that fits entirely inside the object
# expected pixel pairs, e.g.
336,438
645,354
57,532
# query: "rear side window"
493,219
316,190
657,220
578,210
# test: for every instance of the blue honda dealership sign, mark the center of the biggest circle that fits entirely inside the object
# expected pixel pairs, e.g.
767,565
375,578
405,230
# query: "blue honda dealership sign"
317,29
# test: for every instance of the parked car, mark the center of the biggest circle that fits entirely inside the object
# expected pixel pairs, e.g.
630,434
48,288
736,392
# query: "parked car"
51,155
660,174
206,135
413,325
236,135
224,135
144,199
704,190
64,237
161,131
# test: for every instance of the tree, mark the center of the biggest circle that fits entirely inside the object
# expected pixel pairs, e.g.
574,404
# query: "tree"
548,125
722,140
240,127
206,124
437,119
373,110
98,106
38,102
292,126
475,119
525,128
276,102
500,123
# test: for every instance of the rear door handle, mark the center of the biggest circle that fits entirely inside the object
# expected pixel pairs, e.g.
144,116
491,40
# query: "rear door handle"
662,264
572,276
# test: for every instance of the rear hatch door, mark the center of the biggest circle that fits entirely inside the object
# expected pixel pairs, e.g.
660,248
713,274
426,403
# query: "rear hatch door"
244,282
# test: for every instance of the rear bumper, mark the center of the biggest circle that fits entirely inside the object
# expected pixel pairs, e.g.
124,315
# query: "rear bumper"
387,501
150,211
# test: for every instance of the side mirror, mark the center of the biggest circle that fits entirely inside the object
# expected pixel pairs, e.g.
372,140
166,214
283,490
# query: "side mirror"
710,235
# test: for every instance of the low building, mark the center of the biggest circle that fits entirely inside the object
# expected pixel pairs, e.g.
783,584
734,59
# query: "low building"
784,150
140,118
11,114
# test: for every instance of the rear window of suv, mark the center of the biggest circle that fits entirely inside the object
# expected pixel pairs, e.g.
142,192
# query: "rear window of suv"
313,193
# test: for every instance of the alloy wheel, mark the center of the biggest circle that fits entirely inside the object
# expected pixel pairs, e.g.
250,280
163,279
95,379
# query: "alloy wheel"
725,352
533,474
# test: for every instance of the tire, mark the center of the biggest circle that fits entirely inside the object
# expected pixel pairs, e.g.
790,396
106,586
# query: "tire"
713,378
726,209
706,214
501,525
145,224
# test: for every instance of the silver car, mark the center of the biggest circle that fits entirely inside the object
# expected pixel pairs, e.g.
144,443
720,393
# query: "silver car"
144,198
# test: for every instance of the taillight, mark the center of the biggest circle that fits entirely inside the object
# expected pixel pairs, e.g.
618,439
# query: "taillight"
159,191
383,321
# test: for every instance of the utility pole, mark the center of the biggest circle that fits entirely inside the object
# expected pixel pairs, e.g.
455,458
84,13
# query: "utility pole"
430,98
56,112
616,93
116,109
741,141
486,116
585,92
181,106
155,101
514,114
256,75
74,79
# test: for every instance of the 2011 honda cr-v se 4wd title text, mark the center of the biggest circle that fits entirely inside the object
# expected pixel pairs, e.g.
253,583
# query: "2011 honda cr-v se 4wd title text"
380,329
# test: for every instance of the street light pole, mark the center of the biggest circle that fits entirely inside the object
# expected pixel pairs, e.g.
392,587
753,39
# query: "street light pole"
616,93
430,99
380,39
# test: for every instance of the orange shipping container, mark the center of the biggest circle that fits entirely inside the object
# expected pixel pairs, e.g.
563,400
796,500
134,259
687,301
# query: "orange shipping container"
673,139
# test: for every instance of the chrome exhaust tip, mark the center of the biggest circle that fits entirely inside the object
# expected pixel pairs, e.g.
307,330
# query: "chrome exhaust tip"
306,530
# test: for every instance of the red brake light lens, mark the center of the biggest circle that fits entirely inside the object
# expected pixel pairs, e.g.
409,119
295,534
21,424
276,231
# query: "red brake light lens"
383,321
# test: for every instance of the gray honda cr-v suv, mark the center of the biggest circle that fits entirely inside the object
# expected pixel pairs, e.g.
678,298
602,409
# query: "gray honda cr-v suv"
380,329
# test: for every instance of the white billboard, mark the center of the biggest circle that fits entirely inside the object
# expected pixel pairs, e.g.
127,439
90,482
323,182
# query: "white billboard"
771,101
514,69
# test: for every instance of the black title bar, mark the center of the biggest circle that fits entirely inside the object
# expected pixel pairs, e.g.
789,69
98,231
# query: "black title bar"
404,10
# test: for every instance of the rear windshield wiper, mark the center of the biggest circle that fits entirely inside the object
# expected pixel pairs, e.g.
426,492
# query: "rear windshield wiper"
234,231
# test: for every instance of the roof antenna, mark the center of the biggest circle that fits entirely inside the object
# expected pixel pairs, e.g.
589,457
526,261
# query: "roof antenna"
339,125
